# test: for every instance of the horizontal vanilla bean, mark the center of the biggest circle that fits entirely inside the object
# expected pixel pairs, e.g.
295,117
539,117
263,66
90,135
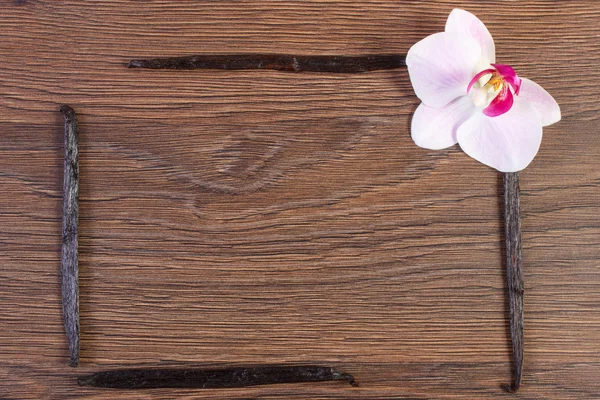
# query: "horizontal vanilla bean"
278,62
514,273
69,256
212,378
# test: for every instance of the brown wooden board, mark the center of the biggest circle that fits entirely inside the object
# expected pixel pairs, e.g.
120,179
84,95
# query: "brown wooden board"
235,218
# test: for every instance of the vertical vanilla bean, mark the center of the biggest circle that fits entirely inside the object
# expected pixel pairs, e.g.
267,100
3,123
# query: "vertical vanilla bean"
69,257
212,378
277,62
514,273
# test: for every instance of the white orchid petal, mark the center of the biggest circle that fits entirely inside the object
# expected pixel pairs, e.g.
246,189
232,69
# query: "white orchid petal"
441,67
461,21
541,100
435,128
508,142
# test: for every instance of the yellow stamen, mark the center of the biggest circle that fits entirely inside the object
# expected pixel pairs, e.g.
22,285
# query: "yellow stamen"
496,81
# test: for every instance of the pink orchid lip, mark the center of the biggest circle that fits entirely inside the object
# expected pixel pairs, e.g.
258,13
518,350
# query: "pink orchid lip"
501,76
501,103
510,76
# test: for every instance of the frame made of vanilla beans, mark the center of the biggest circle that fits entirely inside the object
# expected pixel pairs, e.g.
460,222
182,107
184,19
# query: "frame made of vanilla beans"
259,375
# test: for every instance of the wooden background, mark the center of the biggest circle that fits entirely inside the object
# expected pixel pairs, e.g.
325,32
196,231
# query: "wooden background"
241,218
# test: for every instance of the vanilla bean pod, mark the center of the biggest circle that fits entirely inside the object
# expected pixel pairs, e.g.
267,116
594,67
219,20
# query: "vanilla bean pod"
278,62
212,378
514,273
69,256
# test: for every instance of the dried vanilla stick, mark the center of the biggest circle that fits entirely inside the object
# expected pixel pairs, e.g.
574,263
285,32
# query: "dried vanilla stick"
69,258
514,273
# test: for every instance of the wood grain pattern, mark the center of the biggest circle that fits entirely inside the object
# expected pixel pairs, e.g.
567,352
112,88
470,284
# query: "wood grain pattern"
238,218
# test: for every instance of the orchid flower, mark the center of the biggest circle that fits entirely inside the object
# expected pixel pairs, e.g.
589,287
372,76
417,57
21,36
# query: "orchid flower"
467,98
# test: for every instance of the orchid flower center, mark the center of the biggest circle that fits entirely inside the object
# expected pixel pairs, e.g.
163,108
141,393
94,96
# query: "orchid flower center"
492,89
